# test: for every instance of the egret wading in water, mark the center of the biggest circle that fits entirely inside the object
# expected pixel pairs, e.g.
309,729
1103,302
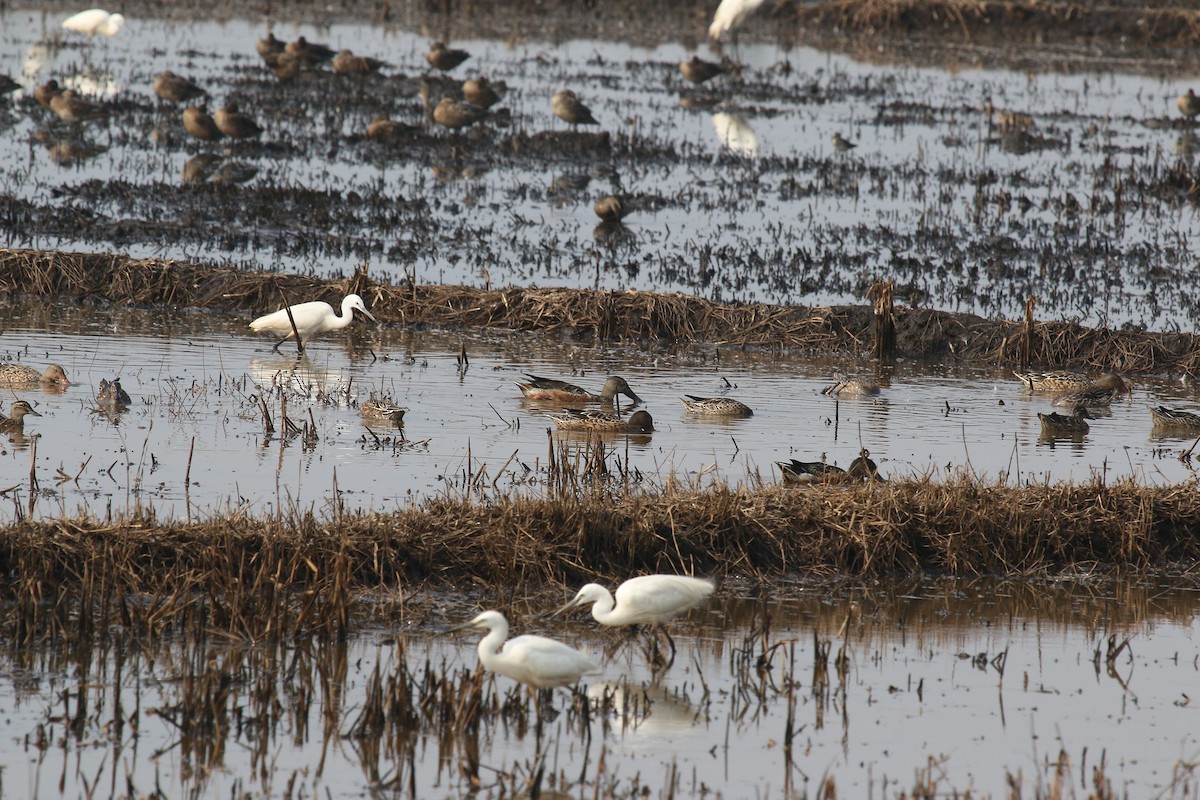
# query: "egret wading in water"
310,318
731,15
94,21
532,660
646,600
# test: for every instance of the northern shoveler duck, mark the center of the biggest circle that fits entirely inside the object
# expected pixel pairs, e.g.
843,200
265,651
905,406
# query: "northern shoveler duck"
14,376
1092,397
382,409
573,419
15,421
536,388
569,108
716,406
697,70
809,472
442,57
1064,425
863,468
861,387
111,394
1171,418
175,88
1071,381
1188,104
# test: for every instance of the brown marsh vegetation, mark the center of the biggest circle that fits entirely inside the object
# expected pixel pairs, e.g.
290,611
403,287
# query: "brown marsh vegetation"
629,316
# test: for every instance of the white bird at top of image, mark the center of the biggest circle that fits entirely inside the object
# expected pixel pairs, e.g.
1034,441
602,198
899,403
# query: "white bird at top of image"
94,21
311,319
735,133
731,15
532,660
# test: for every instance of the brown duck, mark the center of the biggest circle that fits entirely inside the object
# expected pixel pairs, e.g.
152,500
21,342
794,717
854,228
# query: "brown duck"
445,59
200,124
176,89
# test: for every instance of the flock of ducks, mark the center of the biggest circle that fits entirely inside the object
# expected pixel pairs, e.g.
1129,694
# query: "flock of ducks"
111,397
543,663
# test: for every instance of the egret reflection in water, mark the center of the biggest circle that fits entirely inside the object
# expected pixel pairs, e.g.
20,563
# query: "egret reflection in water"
735,133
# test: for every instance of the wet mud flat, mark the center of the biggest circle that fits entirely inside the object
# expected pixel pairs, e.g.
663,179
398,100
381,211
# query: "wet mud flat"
964,209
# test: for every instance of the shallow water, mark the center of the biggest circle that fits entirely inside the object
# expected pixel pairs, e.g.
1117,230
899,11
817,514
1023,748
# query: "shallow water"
194,376
742,195
954,684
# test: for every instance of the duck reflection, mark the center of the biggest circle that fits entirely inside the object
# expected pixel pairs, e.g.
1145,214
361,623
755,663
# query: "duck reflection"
735,134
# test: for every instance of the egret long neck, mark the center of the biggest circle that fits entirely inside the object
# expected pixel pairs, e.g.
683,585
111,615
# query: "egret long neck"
345,319
489,644
602,609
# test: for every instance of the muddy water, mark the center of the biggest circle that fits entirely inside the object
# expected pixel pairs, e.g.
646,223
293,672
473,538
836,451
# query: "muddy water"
954,685
739,191
194,378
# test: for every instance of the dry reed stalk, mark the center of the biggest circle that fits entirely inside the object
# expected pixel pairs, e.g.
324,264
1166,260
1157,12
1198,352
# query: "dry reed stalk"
619,316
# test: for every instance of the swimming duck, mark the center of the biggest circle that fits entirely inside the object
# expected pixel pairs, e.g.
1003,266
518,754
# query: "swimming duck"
1172,418
383,128
15,421
269,45
853,386
442,57
14,376
1092,397
574,419
382,409
1060,381
111,394
569,108
47,92
1062,425
716,406
537,388
310,52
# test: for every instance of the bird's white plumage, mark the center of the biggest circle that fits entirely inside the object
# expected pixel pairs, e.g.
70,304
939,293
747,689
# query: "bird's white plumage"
731,15
532,660
647,600
311,318
94,21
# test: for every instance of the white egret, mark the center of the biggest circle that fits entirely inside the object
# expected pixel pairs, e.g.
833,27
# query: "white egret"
735,133
646,600
532,660
731,15
94,21
311,319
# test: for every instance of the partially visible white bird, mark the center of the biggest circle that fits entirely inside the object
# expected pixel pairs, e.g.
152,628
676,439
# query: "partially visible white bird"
311,319
731,15
94,21
532,660
646,600
735,133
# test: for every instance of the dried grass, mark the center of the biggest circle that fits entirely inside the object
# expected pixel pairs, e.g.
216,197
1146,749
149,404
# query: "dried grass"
255,579
608,316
